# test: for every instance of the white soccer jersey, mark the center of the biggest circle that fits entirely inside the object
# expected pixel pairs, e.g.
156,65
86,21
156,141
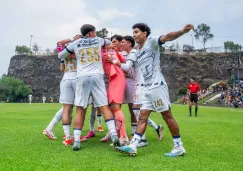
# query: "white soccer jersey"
30,96
88,55
132,57
148,63
70,71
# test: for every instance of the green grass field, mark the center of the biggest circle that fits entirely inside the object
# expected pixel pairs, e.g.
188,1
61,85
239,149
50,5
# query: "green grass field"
213,142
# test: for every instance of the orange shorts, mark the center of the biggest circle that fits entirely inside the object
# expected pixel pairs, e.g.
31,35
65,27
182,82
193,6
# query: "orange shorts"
116,89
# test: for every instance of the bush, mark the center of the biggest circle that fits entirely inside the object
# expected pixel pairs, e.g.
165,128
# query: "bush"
182,91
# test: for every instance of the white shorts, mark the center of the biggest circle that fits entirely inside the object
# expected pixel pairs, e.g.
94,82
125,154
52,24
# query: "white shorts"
67,91
156,99
129,91
137,96
93,86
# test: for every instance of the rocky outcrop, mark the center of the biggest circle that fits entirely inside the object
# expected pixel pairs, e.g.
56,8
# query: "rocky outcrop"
43,76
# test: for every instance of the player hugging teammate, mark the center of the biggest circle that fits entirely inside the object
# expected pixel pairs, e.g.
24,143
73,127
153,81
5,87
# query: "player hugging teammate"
150,91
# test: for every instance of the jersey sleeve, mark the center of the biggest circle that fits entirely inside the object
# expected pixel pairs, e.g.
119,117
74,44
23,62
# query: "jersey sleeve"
132,56
127,66
155,41
104,42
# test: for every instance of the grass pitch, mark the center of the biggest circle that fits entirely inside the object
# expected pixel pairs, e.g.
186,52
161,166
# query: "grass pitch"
213,142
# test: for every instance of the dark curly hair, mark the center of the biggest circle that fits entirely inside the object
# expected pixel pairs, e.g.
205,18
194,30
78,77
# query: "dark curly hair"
117,37
86,28
130,39
142,27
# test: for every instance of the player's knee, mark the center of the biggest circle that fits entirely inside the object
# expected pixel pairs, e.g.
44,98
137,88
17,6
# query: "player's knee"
167,115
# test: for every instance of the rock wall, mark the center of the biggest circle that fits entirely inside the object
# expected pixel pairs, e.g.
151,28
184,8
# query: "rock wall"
43,76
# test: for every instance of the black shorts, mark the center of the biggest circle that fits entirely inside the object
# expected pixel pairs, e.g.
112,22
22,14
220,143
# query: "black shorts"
194,98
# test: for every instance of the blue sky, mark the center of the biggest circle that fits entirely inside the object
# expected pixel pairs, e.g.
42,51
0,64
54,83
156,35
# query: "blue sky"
52,20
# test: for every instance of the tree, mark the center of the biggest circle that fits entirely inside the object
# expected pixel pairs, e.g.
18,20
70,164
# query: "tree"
172,48
230,46
102,33
48,52
188,48
177,47
20,50
14,88
35,48
203,34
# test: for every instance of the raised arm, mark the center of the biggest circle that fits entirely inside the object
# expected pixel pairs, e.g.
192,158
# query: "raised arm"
174,35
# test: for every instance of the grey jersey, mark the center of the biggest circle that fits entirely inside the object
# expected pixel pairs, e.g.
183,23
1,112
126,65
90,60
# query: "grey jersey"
148,63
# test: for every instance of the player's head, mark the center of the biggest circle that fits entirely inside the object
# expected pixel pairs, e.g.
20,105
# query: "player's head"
192,80
88,30
116,41
127,43
140,32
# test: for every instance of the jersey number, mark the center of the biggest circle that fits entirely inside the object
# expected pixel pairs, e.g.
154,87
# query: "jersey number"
158,103
91,53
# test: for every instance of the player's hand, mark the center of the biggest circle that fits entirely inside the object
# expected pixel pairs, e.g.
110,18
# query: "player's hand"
187,28
108,58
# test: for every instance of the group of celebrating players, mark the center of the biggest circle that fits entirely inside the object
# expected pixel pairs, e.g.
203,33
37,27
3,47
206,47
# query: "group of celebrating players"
108,74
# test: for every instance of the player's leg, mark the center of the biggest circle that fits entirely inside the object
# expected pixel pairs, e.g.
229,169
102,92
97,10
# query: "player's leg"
49,129
83,90
91,132
67,99
131,149
98,93
190,105
196,104
99,116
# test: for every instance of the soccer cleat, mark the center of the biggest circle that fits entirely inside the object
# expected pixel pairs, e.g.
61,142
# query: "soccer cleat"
115,141
143,143
131,136
106,138
64,136
67,142
159,131
130,149
49,134
100,129
76,146
176,151
90,135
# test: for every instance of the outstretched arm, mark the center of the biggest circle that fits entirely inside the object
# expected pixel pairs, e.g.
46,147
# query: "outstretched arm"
174,35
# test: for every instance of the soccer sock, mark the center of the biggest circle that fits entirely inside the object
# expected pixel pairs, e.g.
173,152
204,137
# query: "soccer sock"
177,141
99,119
190,110
136,139
57,118
136,112
134,127
196,108
77,134
92,119
110,123
151,123
144,137
120,122
66,128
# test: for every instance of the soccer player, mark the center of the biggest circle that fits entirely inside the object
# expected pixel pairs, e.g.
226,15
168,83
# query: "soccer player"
30,98
67,96
90,80
193,89
155,95
44,99
127,45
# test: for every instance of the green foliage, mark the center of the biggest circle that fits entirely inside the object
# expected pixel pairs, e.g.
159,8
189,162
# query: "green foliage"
230,46
102,33
20,50
35,48
203,34
14,88
182,91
